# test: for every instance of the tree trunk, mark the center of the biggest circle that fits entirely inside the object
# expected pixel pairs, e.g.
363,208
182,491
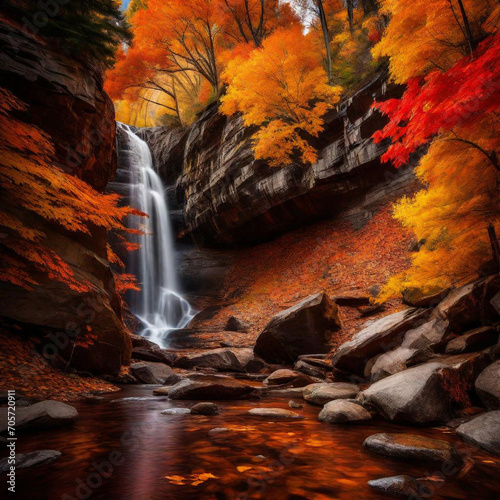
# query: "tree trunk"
326,38
468,32
495,247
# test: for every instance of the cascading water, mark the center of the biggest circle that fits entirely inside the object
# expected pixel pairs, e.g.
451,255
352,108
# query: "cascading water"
159,304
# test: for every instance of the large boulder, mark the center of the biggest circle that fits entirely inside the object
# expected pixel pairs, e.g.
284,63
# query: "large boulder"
320,394
475,340
488,386
378,337
412,447
145,350
222,360
427,393
148,372
340,411
483,431
210,387
289,377
396,361
427,335
305,328
40,416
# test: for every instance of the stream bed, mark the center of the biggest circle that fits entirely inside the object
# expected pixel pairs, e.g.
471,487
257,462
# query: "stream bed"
127,450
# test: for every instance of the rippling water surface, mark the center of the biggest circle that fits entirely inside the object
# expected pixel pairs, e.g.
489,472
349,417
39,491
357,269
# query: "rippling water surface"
173,457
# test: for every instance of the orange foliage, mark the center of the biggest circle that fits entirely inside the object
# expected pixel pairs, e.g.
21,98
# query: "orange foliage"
32,184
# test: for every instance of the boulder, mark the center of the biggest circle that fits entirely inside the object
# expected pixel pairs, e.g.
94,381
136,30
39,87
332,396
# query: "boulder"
205,409
341,411
148,372
249,362
426,335
401,486
427,393
324,393
221,359
467,306
305,328
162,391
274,413
416,298
475,340
379,336
289,377
236,325
412,447
40,416
145,350
488,386
396,361
33,459
210,387
483,431
312,370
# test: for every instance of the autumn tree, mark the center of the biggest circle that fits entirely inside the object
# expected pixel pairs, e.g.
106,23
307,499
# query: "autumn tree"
35,192
282,88
454,105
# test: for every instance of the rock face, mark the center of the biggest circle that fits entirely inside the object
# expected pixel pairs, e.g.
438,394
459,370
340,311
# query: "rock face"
40,416
341,412
488,386
305,328
66,100
376,338
483,431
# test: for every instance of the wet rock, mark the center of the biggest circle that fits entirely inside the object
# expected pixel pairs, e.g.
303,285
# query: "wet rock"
210,387
488,386
427,393
340,411
219,431
308,368
222,359
40,416
274,413
396,361
162,391
148,372
475,340
324,393
176,411
287,392
466,306
483,431
305,328
294,404
205,409
290,377
376,338
412,447
399,486
152,352
236,325
33,459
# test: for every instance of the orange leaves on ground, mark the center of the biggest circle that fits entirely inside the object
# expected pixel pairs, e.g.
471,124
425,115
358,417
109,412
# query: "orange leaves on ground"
35,191
282,88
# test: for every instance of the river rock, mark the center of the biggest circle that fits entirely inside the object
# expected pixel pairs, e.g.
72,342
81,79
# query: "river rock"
426,335
396,361
340,411
305,328
236,325
488,386
205,409
33,459
324,393
475,340
176,411
483,431
210,387
148,372
412,447
274,413
221,359
294,405
310,369
162,391
249,362
400,486
376,338
290,377
427,393
40,416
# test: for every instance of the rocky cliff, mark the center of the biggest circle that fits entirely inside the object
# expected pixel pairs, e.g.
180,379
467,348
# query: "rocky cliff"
67,101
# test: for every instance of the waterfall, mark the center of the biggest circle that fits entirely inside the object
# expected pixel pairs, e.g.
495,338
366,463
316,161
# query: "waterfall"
159,305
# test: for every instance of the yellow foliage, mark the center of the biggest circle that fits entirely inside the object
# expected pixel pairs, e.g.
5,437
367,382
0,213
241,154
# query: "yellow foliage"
452,213
282,88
